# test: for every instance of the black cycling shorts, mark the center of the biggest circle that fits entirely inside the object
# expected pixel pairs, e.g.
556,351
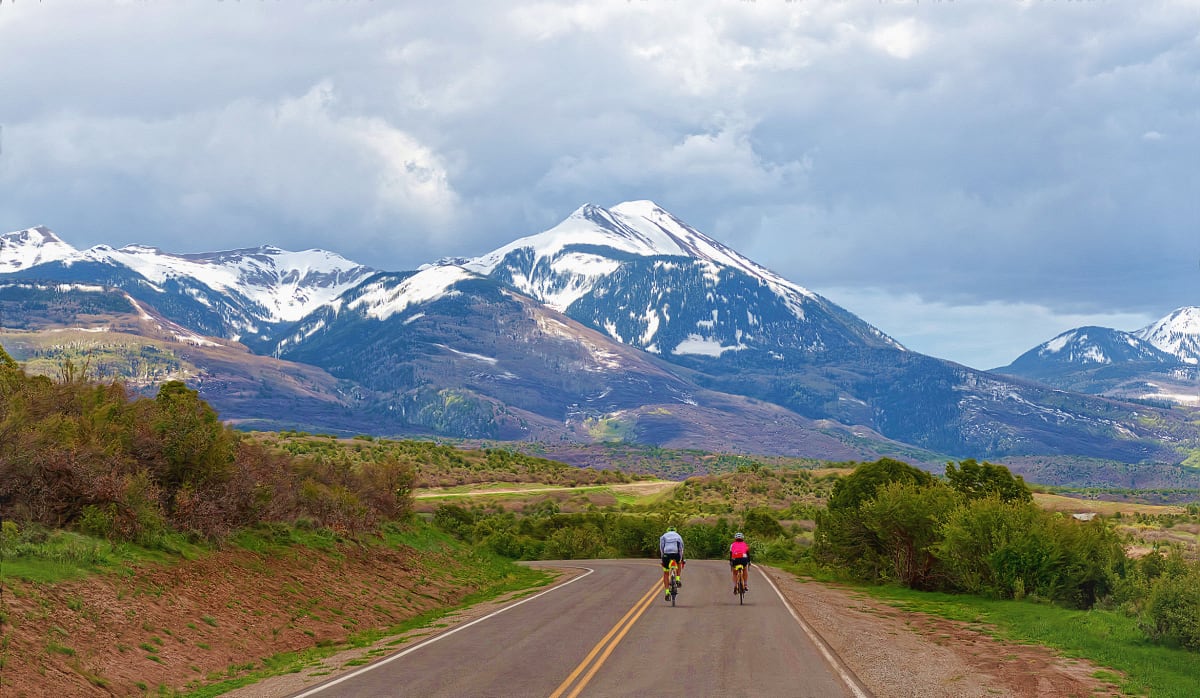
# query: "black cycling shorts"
666,560
734,562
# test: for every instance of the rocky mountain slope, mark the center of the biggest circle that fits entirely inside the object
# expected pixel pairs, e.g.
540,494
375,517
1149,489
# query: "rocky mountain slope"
618,324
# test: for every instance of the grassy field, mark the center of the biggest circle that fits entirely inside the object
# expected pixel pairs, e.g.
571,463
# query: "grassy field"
1075,505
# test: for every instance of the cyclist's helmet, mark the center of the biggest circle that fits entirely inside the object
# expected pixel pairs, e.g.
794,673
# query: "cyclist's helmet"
739,536
670,528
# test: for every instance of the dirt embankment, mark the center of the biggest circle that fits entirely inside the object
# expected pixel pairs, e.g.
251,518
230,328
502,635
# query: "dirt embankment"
208,619
217,617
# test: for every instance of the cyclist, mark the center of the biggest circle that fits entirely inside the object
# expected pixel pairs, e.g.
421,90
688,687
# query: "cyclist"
739,554
670,547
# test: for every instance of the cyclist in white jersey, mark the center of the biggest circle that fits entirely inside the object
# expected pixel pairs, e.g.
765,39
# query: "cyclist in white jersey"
670,547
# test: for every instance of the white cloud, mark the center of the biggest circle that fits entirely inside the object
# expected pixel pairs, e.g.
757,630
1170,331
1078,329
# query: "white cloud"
903,39
296,160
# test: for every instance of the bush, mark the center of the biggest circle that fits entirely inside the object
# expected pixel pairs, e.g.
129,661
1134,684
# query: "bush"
1173,610
841,537
1012,549
906,520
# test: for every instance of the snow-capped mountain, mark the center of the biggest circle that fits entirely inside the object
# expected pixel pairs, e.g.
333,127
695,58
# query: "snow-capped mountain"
617,323
1157,362
229,294
563,263
1177,334
1094,346
649,280
31,247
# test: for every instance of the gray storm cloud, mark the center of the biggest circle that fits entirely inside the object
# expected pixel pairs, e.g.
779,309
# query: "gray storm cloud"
933,157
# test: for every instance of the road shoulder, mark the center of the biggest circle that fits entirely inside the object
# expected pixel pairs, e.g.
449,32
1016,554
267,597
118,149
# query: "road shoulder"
902,653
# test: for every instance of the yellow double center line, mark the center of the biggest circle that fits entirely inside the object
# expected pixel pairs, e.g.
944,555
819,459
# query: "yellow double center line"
618,631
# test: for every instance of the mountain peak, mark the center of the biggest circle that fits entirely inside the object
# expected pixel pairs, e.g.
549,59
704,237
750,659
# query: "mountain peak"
22,249
1178,333
639,207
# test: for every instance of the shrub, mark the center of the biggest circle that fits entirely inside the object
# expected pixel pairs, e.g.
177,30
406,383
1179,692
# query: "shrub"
906,520
1172,611
841,537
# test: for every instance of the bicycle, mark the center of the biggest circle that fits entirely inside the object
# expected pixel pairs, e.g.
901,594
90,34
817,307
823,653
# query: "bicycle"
673,577
740,586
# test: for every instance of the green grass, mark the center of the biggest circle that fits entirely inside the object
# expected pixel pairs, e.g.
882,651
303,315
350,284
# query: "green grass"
525,491
48,557
424,538
1109,639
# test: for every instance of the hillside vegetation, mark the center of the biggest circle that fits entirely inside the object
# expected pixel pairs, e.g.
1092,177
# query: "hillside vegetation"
436,464
75,454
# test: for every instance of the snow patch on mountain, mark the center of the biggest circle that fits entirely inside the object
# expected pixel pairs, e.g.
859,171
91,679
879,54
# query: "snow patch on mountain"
286,285
1078,347
382,300
30,247
466,354
1177,334
704,346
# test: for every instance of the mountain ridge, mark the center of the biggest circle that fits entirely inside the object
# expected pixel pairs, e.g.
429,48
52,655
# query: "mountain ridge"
616,324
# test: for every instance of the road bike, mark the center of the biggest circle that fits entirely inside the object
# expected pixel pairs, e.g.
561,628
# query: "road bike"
673,580
740,586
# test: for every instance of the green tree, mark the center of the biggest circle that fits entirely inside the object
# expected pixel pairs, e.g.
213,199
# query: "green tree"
979,480
760,524
841,537
196,448
907,519
852,490
1172,611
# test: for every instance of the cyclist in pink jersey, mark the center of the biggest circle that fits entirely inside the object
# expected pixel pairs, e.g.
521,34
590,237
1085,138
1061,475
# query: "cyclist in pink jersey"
739,554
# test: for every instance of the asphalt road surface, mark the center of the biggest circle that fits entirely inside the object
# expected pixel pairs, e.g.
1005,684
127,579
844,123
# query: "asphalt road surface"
608,632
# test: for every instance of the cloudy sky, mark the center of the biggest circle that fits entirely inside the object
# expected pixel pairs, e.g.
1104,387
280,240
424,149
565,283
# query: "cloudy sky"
971,177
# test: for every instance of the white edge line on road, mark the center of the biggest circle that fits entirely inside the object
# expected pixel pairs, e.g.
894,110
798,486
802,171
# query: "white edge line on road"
318,689
847,677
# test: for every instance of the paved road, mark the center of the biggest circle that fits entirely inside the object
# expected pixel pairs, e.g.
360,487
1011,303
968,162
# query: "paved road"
609,633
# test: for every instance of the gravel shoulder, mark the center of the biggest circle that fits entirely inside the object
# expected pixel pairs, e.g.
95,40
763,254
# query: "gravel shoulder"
902,654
